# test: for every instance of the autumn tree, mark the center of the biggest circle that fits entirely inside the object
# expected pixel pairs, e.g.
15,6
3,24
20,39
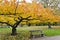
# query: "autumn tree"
14,12
9,14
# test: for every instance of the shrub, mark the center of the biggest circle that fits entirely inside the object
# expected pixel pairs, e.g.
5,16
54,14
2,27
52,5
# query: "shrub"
22,35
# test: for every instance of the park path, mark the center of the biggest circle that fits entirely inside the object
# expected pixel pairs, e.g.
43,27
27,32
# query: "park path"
47,38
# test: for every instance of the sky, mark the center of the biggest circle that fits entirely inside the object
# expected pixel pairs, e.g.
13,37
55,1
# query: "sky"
28,1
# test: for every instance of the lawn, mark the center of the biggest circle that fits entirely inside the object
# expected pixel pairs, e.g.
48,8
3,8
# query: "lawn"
24,31
51,32
48,32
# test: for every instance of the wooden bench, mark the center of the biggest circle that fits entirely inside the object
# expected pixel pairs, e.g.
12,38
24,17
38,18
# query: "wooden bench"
36,33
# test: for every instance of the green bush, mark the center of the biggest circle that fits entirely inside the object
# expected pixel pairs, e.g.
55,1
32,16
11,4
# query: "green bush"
22,35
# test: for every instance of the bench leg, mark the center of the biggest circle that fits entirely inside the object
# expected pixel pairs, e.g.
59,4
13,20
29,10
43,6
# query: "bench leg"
42,35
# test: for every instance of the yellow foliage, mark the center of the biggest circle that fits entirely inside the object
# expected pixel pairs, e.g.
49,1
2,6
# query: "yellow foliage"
36,11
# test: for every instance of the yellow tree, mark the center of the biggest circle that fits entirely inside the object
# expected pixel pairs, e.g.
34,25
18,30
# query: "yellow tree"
14,12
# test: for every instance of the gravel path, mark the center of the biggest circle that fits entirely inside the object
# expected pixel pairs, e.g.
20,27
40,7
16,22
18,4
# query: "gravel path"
47,38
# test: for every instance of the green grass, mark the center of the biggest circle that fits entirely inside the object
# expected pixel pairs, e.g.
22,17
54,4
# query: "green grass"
51,32
46,31
5,34
24,31
23,34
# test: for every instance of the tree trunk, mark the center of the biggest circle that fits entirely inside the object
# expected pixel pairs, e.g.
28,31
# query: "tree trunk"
13,31
49,25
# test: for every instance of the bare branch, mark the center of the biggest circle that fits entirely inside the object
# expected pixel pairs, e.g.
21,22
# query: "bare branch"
6,23
7,14
16,6
15,20
28,17
20,17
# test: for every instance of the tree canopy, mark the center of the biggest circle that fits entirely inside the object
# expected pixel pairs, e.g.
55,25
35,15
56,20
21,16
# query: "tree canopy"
12,10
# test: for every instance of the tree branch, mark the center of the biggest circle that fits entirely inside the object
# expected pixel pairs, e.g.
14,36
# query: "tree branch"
16,6
6,23
28,17
7,14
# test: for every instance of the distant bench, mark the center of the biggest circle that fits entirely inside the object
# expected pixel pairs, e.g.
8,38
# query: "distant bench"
36,33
